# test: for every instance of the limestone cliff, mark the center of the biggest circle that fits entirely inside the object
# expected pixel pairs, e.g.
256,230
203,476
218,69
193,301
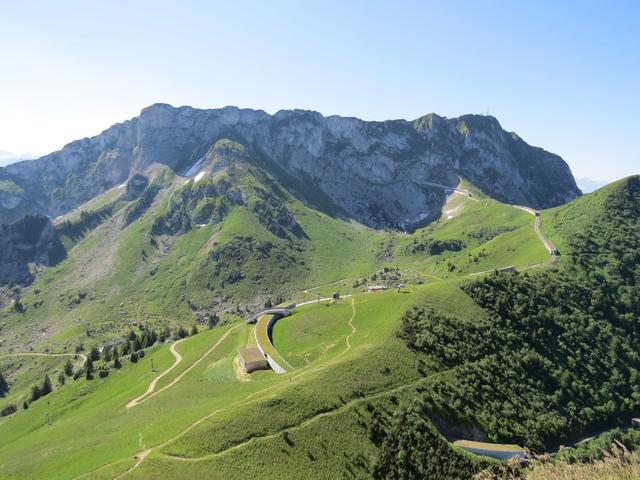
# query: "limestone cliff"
375,172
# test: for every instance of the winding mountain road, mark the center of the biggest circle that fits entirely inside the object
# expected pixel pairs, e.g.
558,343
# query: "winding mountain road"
548,244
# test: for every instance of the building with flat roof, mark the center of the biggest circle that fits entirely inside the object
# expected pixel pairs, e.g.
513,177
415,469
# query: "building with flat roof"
253,359
376,288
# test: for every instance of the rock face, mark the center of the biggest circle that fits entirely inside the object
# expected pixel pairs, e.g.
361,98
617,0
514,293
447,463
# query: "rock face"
26,246
375,172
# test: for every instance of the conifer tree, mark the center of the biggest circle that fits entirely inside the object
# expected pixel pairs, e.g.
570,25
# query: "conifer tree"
68,368
4,386
47,386
181,332
94,354
106,354
35,393
62,378
213,320
88,368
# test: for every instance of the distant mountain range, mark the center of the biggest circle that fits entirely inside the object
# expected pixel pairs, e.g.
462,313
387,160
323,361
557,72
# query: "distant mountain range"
7,158
588,185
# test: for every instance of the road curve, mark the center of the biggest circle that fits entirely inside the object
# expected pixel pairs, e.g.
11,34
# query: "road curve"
448,187
548,244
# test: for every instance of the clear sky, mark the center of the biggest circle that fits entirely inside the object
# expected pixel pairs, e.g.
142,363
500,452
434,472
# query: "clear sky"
565,77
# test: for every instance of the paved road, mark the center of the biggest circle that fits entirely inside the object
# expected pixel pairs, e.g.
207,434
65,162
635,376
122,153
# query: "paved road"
548,244
448,187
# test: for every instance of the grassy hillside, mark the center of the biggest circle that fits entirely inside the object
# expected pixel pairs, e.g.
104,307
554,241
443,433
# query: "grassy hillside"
263,404
554,358
212,251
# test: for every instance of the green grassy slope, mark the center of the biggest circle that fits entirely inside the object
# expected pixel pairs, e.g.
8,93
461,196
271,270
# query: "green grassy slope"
244,408
554,356
195,249
119,275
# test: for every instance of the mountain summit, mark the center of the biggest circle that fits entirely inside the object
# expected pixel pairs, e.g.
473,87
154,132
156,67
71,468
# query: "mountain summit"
379,173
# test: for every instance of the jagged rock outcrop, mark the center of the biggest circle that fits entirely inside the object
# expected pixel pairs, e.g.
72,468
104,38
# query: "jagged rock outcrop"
375,172
27,245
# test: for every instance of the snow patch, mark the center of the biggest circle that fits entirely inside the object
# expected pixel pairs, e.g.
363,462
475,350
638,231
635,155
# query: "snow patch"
186,182
198,177
419,218
452,213
122,186
408,221
194,168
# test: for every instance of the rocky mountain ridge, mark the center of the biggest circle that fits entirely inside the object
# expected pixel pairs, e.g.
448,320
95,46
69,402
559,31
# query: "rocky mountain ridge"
375,172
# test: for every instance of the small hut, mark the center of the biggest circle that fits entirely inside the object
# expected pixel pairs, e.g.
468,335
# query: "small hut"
253,359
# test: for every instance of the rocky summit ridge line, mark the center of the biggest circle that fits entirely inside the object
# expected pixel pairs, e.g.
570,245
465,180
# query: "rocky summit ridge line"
375,172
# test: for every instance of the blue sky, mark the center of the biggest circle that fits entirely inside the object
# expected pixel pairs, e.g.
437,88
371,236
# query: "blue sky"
565,77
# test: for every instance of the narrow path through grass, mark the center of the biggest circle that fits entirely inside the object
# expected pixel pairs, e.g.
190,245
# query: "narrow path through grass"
152,385
32,354
321,286
147,396
250,398
303,424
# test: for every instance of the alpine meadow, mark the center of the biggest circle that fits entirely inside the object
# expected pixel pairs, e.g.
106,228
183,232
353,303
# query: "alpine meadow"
238,293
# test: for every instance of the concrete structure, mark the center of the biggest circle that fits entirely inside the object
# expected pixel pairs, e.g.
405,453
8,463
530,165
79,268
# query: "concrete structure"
262,333
376,288
493,450
635,423
252,359
281,312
